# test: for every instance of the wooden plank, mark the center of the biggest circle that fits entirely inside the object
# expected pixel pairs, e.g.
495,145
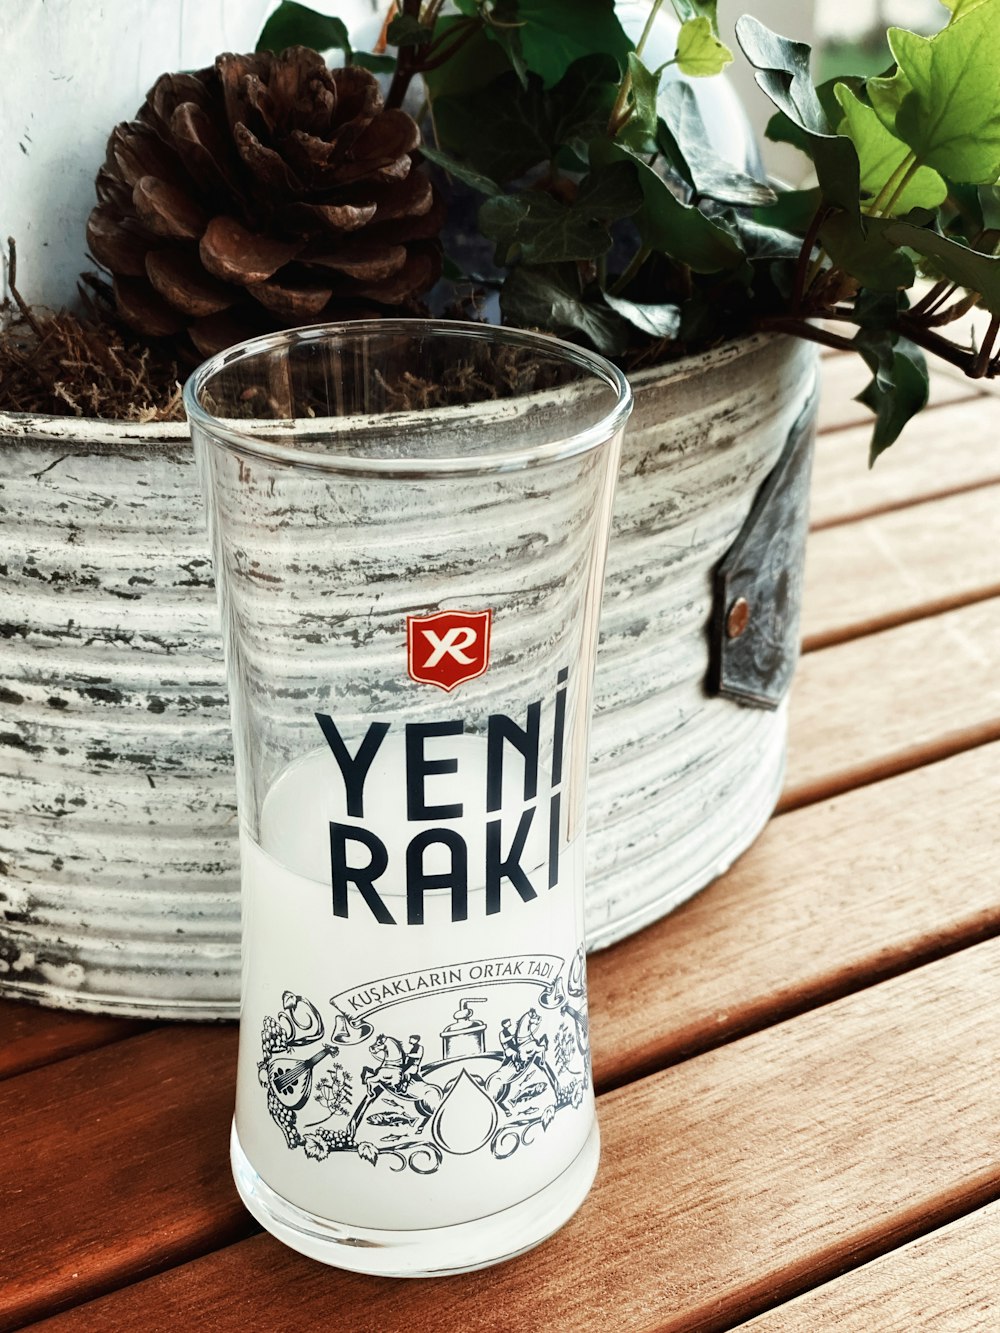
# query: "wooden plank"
828,900
845,376
817,907
115,1164
865,576
886,703
728,1182
939,454
945,1282
31,1037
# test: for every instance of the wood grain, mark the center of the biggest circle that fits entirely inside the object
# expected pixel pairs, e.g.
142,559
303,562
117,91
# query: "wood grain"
31,1037
727,1182
818,907
945,1283
115,1165
845,376
828,900
938,455
865,576
888,702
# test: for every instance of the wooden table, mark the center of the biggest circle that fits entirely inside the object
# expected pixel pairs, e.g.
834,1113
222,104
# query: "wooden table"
799,1070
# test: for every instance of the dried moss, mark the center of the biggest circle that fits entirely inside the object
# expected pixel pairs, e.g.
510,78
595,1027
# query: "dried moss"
85,366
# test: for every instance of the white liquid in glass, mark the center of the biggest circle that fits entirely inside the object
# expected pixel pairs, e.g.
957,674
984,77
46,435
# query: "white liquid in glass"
398,1078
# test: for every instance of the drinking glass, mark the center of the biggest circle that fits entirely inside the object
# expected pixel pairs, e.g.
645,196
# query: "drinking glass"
409,521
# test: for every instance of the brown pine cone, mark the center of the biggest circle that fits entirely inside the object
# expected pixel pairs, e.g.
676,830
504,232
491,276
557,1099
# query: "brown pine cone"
265,192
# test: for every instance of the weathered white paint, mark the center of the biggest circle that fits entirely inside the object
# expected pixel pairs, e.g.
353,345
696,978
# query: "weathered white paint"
117,824
71,71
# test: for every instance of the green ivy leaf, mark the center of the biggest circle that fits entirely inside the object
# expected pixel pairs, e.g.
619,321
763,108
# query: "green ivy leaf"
881,154
377,64
959,8
292,24
684,136
877,310
989,203
899,385
970,269
452,272
865,252
461,172
476,63
550,298
502,130
550,35
534,227
609,193
780,129
762,241
670,226
541,230
405,30
944,99
641,125
793,211
659,321
783,74
699,52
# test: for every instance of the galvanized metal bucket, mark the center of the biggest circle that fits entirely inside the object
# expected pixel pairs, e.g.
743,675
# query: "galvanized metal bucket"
118,843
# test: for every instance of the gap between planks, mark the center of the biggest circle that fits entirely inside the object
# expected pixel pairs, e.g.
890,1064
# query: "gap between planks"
36,1037
935,1282
928,689
901,564
818,908
730,1182
936,457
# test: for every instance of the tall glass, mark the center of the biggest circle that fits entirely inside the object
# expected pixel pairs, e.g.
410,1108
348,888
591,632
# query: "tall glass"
409,522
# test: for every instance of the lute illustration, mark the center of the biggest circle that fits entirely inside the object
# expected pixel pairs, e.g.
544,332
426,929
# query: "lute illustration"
291,1081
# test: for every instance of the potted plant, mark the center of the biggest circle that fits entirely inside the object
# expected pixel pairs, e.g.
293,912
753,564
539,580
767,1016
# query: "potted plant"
530,155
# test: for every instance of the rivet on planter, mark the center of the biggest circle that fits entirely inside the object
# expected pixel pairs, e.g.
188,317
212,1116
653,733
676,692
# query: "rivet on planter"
738,618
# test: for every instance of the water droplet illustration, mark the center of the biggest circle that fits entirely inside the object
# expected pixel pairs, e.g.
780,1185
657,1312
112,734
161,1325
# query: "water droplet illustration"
466,1118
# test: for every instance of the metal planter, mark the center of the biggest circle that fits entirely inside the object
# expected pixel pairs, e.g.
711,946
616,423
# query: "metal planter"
118,846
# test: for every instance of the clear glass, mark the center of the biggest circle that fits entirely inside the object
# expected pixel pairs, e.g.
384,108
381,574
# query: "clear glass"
409,523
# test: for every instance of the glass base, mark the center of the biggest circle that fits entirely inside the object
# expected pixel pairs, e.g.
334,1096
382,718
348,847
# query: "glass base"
425,1253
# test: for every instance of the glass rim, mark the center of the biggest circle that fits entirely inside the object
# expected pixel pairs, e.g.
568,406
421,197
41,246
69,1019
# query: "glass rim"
494,461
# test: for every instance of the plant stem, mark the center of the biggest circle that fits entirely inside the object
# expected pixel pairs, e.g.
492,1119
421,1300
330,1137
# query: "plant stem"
889,190
933,342
434,54
22,304
953,312
618,109
805,254
908,175
815,269
982,364
938,293
801,328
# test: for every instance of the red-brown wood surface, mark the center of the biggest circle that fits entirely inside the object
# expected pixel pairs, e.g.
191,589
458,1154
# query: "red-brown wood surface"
799,1075
31,1037
727,1182
114,1164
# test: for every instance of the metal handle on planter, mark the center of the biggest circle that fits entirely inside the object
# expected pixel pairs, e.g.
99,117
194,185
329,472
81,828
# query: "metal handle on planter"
754,630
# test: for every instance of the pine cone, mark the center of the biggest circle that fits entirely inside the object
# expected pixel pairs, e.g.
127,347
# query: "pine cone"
265,192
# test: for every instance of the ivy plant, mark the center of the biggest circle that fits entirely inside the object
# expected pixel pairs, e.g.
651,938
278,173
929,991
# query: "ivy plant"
611,220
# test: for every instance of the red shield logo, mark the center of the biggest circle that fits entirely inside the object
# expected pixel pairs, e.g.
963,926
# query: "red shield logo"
448,647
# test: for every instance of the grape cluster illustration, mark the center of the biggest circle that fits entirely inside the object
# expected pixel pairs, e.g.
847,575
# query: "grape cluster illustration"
272,1039
284,1118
